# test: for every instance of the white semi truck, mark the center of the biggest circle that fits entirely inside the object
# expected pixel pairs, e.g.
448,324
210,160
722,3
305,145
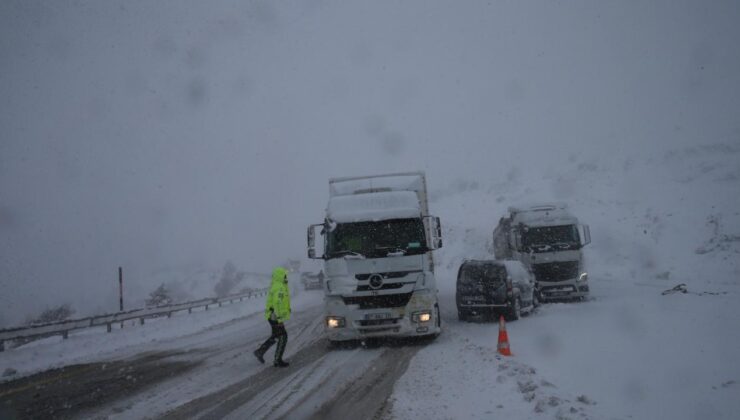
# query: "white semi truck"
548,239
378,239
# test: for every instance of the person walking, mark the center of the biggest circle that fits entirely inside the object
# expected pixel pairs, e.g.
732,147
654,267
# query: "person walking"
277,311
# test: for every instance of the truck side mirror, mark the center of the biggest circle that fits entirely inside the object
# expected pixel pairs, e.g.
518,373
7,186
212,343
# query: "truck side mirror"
311,239
438,229
433,230
584,234
514,240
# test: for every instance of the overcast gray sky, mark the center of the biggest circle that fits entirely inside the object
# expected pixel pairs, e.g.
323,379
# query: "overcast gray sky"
172,133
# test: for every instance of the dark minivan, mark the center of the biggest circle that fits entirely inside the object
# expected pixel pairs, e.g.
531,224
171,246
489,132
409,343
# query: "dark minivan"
493,288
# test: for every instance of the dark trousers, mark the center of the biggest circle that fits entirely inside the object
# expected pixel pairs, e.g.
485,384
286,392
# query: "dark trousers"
280,335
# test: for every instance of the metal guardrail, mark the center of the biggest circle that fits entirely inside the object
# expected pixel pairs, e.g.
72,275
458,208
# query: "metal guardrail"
64,327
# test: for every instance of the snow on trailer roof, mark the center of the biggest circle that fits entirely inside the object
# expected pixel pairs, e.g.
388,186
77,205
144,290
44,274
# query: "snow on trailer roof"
410,181
542,215
373,207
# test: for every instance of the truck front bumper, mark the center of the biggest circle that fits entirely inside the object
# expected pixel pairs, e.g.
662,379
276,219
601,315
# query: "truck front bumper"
563,290
353,323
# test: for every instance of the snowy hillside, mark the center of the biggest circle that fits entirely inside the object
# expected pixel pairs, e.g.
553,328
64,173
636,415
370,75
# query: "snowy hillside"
629,352
665,219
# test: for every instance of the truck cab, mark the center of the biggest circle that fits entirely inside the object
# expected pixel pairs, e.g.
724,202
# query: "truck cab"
548,240
378,240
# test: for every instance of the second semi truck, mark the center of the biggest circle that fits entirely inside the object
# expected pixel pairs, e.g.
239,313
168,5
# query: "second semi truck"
548,239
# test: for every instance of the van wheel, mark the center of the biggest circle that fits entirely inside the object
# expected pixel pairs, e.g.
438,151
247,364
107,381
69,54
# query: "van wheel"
439,317
516,310
462,316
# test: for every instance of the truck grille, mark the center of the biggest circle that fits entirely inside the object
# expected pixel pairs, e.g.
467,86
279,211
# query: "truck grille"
389,275
556,271
385,286
381,301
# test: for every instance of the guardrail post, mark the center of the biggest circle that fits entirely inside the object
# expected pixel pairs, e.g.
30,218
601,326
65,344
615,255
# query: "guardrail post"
190,310
2,345
169,314
110,328
141,321
65,334
206,307
219,304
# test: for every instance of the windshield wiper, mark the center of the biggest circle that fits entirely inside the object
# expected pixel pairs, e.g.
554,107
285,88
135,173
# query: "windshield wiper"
540,247
347,253
393,251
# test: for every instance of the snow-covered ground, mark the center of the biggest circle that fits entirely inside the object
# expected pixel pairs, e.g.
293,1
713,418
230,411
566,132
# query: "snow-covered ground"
95,344
628,352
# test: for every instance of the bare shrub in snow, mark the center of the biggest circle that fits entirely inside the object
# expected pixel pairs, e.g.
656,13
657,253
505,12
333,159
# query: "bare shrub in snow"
230,277
160,296
60,313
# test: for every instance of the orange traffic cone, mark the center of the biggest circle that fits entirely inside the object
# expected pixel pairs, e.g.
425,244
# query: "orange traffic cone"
503,338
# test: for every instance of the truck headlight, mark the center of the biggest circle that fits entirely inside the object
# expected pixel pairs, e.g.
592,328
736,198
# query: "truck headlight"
583,277
421,316
335,321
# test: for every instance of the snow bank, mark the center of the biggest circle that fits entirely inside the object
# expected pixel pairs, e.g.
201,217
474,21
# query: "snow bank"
630,352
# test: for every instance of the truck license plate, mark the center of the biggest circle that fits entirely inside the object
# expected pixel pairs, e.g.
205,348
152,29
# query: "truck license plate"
384,315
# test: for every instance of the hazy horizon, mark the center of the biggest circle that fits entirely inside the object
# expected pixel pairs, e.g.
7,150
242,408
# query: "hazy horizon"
171,134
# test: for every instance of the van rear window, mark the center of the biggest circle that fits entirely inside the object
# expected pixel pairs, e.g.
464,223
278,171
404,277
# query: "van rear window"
483,274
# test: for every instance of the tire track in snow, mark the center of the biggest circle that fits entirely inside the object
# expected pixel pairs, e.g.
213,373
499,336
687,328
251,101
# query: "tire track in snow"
222,402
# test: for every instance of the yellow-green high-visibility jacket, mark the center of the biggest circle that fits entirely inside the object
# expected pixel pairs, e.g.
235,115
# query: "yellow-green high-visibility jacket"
278,298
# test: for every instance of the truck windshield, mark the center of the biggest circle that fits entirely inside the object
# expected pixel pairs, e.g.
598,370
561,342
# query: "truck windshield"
377,239
550,238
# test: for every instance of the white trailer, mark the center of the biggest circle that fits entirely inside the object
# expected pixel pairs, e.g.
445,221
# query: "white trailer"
548,239
378,242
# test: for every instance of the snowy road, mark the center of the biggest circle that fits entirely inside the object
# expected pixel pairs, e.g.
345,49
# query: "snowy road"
212,374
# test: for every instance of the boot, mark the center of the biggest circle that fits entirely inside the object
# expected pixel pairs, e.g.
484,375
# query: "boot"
281,363
259,355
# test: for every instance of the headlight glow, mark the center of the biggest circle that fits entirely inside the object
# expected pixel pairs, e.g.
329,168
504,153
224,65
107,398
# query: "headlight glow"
421,316
334,321
583,277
